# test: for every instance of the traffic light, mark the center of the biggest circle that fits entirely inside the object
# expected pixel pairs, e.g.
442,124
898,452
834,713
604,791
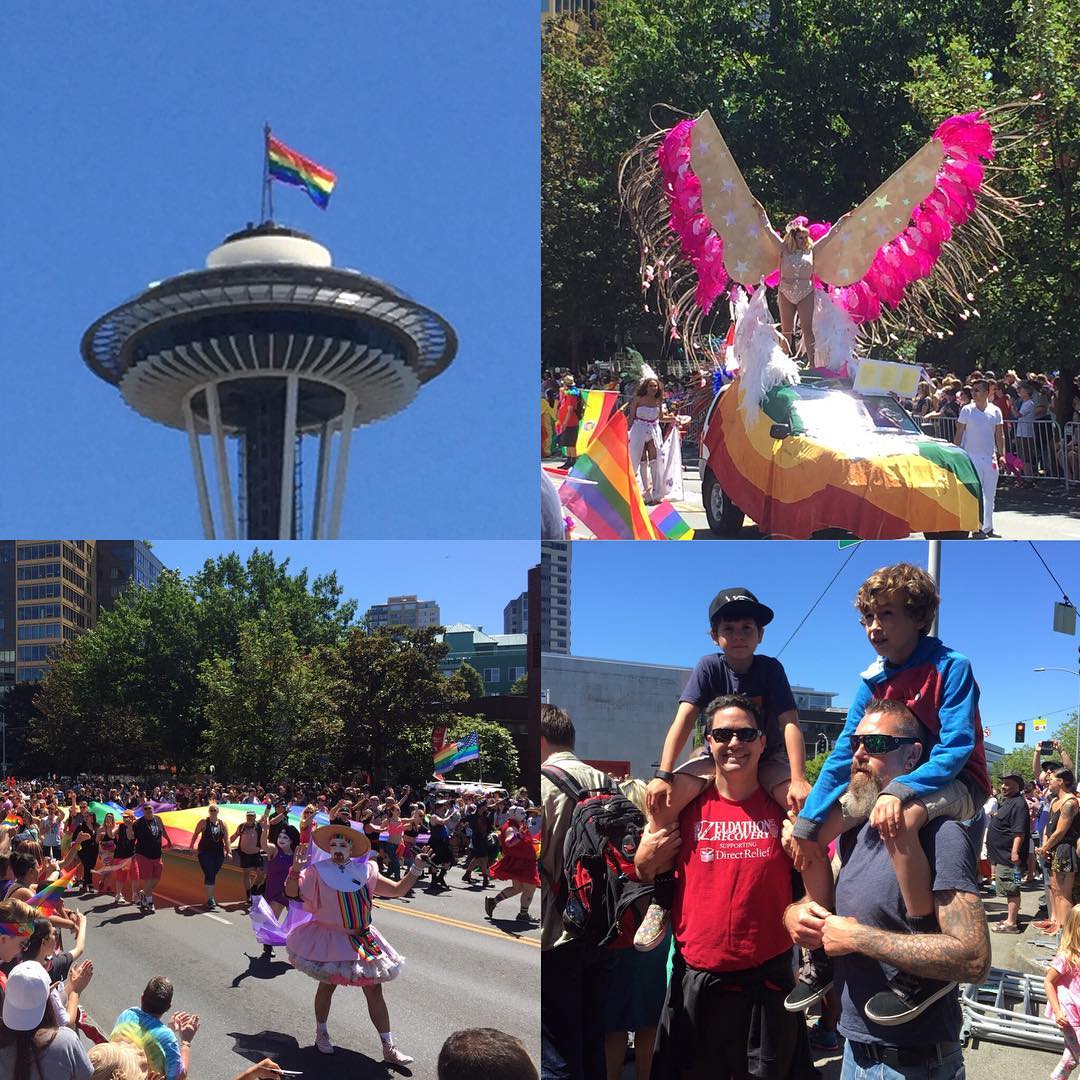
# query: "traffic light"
1020,729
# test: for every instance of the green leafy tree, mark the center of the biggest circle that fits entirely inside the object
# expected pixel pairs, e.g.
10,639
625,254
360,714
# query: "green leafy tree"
1015,761
819,102
814,766
520,686
271,711
392,694
471,681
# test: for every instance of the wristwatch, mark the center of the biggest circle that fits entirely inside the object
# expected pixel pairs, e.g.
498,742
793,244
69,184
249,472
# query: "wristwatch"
663,774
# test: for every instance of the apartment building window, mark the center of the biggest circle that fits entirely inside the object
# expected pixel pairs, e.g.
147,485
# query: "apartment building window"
515,673
36,573
31,674
76,579
39,551
38,592
39,631
40,611
492,674
75,560
33,652
72,597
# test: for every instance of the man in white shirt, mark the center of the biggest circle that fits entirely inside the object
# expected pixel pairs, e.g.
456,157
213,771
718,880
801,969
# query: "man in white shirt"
980,431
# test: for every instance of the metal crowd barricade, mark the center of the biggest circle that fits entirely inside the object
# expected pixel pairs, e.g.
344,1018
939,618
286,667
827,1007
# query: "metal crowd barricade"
1050,452
1008,1008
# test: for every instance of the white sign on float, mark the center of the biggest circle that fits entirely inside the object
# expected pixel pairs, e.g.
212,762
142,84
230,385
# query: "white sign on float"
887,376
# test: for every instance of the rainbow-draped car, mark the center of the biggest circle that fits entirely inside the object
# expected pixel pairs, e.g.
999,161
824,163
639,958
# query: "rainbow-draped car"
842,461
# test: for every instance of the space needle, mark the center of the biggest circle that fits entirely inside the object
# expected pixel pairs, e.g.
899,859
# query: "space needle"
267,344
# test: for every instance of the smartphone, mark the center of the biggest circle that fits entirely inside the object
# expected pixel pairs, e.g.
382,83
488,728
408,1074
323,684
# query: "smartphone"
1046,746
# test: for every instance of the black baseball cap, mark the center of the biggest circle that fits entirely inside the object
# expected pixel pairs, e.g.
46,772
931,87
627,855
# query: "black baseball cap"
1014,776
738,601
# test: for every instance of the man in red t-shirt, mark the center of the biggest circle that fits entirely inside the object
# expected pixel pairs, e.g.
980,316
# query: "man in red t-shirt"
724,1015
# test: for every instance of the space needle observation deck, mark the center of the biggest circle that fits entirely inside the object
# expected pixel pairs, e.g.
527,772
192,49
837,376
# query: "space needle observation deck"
268,344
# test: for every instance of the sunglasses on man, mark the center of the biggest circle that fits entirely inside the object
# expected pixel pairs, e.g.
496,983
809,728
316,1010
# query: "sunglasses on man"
726,734
880,744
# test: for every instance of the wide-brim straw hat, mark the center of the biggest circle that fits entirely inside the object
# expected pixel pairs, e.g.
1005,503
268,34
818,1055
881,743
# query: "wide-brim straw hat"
322,836
118,1061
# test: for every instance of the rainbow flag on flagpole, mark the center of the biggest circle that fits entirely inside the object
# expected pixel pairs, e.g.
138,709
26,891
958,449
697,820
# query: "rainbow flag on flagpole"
612,506
457,753
50,898
286,165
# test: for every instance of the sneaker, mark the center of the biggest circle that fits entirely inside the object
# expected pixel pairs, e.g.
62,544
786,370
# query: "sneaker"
978,535
524,916
907,997
489,906
815,981
392,1054
150,906
652,929
323,1043
211,904
268,952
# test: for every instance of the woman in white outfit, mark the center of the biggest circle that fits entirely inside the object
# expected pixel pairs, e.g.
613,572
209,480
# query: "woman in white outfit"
646,442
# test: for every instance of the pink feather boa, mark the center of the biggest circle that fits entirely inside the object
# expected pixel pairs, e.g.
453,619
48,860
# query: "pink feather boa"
905,259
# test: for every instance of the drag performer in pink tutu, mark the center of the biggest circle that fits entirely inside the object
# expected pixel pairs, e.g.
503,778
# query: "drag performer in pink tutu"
327,928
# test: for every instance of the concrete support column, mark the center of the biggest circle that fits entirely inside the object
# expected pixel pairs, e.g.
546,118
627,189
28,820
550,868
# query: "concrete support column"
288,449
318,519
348,416
217,433
197,464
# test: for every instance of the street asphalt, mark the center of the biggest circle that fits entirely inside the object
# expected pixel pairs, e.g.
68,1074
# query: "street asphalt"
460,971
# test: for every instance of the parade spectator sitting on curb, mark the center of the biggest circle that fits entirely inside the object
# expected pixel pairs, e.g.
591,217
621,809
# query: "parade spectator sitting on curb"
869,935
898,605
167,1046
484,1054
724,1018
737,622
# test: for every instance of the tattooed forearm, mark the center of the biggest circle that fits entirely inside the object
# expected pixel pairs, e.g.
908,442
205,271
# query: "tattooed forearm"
960,952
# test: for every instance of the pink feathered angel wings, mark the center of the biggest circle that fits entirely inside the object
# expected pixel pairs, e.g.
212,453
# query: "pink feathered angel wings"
875,260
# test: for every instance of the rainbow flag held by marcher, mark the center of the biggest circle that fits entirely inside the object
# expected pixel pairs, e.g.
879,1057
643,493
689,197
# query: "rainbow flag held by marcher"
611,506
670,522
16,929
599,405
457,753
290,167
50,899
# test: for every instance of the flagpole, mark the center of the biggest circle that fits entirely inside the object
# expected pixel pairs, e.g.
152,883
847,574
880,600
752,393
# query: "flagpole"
268,191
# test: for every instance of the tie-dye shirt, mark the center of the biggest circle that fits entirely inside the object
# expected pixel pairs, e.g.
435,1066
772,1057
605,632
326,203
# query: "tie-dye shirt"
159,1041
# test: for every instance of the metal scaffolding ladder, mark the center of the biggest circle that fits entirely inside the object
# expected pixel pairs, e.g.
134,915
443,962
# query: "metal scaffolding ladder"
1008,1008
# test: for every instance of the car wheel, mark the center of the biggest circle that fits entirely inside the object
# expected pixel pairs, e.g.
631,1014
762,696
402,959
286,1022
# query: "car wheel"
724,517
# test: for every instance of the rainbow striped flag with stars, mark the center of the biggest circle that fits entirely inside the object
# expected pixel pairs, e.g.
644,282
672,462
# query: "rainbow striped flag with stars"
289,167
457,753
49,899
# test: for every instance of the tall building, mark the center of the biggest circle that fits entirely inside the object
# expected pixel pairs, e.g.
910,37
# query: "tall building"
516,615
7,615
47,597
268,344
120,563
501,659
550,8
404,611
555,596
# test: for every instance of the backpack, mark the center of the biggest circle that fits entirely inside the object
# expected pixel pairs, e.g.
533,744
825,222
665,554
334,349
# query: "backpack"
600,897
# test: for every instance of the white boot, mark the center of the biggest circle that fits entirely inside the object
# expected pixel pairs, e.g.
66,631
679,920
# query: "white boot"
643,479
658,485
323,1043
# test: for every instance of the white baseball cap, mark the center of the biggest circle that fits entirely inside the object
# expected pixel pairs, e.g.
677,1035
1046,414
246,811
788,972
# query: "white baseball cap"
26,996
516,813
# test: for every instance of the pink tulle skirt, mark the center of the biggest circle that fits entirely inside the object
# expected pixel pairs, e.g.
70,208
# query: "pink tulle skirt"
329,956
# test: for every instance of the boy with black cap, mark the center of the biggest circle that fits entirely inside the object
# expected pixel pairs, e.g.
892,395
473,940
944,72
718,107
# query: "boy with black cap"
737,621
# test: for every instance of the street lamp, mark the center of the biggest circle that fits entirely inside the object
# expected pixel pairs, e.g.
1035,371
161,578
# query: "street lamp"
1069,671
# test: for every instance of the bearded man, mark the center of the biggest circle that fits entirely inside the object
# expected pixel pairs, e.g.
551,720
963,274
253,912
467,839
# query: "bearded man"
869,938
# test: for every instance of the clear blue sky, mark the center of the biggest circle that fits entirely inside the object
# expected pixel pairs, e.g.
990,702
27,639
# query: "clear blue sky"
133,137
649,602
472,581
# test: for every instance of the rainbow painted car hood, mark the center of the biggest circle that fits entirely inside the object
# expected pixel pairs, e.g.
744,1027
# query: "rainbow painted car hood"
839,476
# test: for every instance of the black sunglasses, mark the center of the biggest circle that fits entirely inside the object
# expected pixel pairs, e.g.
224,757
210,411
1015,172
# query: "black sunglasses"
880,744
743,734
